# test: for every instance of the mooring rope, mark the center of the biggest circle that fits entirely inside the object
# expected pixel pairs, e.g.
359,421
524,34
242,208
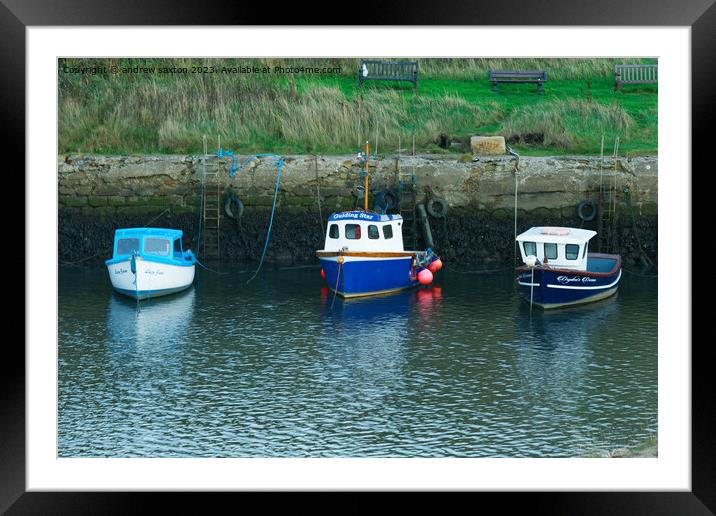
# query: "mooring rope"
338,279
315,266
201,197
208,269
79,261
155,218
639,274
318,197
532,286
273,210
517,167
98,252
484,271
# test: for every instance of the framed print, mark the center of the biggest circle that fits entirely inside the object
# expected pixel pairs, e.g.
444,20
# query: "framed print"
393,256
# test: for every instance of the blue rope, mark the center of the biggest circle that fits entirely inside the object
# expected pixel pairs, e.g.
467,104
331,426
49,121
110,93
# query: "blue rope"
234,166
232,170
273,210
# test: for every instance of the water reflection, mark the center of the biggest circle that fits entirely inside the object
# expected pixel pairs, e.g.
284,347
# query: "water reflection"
558,373
152,324
367,339
279,368
565,328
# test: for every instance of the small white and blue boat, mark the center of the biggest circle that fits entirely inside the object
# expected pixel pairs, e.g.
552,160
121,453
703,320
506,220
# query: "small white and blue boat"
559,271
363,255
150,262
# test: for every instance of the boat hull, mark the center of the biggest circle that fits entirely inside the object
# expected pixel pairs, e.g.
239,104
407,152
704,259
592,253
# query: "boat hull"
556,288
153,279
361,274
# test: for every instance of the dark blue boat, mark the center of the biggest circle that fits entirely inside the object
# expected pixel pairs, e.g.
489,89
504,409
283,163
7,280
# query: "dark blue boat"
363,255
559,271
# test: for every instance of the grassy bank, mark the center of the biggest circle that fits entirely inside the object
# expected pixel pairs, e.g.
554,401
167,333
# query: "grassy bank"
327,113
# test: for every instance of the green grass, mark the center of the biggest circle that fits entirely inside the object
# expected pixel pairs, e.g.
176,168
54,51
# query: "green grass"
330,114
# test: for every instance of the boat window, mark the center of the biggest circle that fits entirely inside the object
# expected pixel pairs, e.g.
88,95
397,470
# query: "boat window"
571,251
177,245
353,231
585,251
530,248
373,232
387,231
127,245
550,251
156,246
333,231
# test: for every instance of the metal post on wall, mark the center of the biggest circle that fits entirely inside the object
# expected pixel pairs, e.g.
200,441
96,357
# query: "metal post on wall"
517,167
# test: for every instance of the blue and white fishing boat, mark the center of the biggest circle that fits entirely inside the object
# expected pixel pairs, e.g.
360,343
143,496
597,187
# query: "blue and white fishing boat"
559,271
150,262
363,255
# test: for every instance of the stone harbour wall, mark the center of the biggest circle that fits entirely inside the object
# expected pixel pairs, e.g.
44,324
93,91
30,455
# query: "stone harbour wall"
98,194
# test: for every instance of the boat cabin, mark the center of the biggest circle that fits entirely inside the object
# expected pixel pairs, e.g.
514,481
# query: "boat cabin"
149,243
561,248
363,231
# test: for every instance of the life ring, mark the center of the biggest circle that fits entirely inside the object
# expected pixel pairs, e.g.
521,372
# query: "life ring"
555,231
233,207
592,207
437,208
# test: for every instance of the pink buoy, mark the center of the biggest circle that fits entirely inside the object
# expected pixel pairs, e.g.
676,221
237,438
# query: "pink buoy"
323,274
425,277
435,266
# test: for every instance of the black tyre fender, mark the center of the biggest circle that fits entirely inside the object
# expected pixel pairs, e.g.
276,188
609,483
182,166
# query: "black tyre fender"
437,208
379,202
233,207
392,200
386,200
587,210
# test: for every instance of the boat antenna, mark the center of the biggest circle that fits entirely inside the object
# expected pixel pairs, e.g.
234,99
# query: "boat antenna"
365,193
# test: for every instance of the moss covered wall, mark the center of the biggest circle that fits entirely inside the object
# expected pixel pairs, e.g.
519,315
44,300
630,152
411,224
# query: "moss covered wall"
98,194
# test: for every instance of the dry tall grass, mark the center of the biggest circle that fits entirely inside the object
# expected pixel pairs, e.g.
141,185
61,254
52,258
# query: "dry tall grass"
566,123
138,113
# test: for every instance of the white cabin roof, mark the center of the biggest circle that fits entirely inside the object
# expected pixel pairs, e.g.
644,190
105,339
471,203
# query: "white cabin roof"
557,235
387,235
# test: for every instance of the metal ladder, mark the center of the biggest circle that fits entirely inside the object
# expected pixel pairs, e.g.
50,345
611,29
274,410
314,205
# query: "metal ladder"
212,214
608,206
606,220
408,194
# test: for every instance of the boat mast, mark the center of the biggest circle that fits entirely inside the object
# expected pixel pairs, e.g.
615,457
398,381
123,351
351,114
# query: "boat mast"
365,193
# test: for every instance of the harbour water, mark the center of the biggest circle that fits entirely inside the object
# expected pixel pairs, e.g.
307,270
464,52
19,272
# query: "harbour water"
278,368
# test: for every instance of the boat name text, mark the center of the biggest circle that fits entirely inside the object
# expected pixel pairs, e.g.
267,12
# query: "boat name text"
579,279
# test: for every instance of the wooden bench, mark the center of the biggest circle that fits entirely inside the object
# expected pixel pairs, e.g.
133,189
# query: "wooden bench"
512,76
635,74
388,71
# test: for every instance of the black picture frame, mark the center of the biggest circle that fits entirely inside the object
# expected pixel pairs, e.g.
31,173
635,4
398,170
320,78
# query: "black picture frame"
16,15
